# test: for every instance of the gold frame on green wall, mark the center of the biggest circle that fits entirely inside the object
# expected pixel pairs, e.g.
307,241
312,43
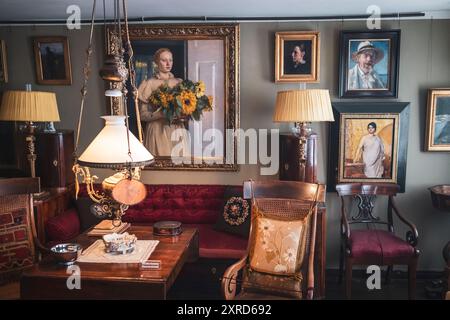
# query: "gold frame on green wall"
430,143
3,63
229,33
40,64
290,39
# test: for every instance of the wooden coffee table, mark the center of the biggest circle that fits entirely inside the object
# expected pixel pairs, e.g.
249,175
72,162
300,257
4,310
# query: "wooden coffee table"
47,280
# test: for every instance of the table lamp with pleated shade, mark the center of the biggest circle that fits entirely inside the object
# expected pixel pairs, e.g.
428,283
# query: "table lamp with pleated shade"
303,107
30,107
308,105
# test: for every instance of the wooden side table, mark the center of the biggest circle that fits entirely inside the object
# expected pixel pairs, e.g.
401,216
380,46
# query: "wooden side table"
115,280
58,201
290,171
54,157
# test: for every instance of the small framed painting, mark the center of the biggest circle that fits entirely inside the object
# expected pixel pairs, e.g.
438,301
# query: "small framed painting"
52,60
297,56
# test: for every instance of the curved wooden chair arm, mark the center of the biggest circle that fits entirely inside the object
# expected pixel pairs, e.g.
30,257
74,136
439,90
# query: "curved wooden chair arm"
412,235
229,279
37,243
310,288
345,227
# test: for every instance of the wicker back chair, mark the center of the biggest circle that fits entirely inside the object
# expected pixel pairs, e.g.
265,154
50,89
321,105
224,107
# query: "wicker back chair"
280,200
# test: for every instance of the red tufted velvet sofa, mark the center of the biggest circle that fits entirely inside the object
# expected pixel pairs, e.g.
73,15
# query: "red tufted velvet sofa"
194,205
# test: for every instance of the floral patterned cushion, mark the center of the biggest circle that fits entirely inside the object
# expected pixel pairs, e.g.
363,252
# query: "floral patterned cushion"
235,217
278,246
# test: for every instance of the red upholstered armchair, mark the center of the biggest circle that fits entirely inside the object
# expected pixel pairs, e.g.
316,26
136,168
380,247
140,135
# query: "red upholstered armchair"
373,245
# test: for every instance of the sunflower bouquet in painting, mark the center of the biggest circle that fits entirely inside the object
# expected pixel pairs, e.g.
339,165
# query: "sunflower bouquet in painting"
185,101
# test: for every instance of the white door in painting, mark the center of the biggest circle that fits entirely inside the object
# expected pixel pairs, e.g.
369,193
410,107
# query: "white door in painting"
206,63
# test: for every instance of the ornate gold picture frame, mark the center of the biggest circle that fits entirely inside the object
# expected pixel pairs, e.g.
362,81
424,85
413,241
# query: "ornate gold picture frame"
3,63
297,55
437,135
199,52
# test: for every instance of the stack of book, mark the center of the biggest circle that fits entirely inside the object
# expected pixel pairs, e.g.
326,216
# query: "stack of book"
107,227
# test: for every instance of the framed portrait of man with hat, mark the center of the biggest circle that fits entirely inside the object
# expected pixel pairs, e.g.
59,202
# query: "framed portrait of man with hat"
369,64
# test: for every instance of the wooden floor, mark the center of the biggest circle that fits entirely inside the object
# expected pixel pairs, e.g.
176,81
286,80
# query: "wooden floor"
396,290
209,287
10,291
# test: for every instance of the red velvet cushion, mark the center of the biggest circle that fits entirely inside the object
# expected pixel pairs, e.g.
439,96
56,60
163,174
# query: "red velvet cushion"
63,227
217,244
184,203
379,247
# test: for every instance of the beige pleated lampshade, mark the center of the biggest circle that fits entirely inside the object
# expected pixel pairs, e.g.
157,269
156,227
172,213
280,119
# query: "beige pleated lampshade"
308,105
35,106
109,149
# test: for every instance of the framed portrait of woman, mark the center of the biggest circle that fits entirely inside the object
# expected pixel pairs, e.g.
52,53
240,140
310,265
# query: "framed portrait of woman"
188,93
297,55
368,143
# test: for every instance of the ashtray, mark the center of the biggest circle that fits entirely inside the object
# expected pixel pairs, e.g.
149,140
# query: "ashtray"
119,243
167,228
66,253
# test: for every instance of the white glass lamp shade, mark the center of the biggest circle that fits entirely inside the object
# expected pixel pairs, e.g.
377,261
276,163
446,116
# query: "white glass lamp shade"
109,149
113,93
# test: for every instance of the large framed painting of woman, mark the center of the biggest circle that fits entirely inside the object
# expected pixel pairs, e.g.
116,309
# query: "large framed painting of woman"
368,143
188,93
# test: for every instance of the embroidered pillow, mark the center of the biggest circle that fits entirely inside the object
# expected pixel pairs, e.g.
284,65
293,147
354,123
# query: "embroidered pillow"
87,218
235,217
278,246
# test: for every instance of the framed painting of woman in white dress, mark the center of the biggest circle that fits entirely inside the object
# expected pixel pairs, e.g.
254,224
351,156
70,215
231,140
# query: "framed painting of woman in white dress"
167,56
368,143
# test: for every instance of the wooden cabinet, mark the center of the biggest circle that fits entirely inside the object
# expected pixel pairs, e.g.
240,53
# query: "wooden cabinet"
290,168
290,171
54,160
289,157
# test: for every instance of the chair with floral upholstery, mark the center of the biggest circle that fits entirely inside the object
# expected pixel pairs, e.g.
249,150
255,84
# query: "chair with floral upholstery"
372,245
280,256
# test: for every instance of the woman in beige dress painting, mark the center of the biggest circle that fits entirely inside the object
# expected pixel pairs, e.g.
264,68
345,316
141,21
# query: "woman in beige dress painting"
371,148
158,132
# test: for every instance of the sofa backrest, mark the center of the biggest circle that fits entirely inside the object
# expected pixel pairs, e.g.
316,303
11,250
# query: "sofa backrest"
194,204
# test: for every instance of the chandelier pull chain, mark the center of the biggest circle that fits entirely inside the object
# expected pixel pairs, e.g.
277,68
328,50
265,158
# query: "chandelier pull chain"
86,72
116,196
132,74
